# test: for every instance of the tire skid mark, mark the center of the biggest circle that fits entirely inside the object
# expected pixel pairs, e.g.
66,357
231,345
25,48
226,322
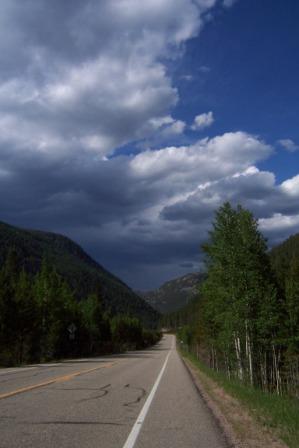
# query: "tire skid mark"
61,422
104,391
139,397
74,388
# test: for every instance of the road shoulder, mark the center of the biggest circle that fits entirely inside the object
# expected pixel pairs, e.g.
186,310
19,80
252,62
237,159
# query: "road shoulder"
238,426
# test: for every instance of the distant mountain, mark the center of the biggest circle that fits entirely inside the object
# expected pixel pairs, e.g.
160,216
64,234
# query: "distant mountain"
174,294
81,272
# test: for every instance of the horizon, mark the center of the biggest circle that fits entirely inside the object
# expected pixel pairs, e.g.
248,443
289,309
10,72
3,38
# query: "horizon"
124,126
202,269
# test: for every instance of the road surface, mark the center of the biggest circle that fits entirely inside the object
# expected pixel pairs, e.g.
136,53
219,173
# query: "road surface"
142,399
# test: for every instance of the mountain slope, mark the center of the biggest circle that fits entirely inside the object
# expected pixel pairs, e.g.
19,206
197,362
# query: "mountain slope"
81,272
174,294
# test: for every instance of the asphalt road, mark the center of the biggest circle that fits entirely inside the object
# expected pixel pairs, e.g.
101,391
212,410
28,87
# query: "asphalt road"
141,399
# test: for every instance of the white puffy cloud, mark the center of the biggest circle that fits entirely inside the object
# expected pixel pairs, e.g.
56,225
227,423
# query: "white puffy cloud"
291,186
288,144
205,160
203,121
91,75
279,226
279,222
176,128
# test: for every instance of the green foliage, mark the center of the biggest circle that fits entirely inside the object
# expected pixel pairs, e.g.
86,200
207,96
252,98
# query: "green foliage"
245,321
128,331
241,310
185,335
292,305
40,319
95,323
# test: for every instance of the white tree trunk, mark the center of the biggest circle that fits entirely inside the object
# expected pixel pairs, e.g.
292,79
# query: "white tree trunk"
249,353
238,356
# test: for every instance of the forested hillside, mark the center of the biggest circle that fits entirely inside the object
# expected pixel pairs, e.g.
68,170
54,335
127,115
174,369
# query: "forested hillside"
246,322
55,301
83,275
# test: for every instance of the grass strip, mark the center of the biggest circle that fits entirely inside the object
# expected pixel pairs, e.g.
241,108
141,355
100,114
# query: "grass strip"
278,413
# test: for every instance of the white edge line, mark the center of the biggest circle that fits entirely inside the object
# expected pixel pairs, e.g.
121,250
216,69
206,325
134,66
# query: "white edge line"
131,440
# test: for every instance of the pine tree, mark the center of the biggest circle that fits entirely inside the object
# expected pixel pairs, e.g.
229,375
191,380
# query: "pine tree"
26,319
57,309
8,307
96,323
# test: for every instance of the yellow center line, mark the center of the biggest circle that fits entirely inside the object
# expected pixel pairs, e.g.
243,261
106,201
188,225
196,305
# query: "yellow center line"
58,379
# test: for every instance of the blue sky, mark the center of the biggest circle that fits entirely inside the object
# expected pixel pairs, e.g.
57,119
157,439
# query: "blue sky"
251,83
125,124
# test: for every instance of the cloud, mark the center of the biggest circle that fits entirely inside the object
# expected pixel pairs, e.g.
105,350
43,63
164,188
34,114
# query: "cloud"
229,3
176,128
288,145
291,186
90,75
84,86
278,227
205,160
279,222
145,213
187,77
203,121
204,69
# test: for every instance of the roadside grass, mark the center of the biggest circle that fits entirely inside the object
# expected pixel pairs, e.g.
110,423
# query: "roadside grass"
278,413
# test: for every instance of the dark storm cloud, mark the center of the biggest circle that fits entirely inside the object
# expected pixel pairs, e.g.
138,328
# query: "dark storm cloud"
116,208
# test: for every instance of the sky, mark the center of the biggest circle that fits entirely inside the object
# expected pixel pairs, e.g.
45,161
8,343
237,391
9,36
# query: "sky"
125,124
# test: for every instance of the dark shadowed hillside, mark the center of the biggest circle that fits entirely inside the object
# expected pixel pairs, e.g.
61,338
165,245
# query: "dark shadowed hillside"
174,294
81,272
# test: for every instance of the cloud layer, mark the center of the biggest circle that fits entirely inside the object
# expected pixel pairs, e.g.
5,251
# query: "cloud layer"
144,216
84,86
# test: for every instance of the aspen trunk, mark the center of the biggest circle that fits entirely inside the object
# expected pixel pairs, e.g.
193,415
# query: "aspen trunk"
238,356
276,378
249,353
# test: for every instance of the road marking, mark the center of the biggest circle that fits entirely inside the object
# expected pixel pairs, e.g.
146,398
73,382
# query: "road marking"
131,440
59,379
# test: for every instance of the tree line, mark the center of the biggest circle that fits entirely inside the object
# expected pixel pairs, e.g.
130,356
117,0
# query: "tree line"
40,319
246,320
